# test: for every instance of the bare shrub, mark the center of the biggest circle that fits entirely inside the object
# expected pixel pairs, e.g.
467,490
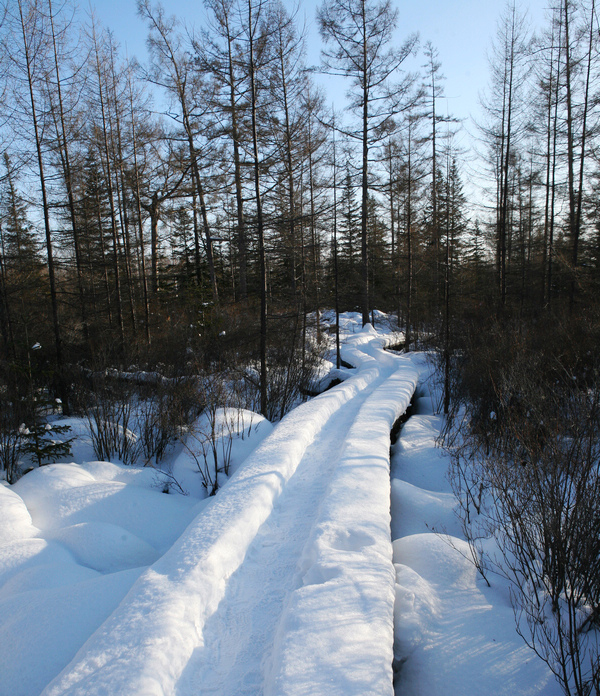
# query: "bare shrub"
10,440
209,441
111,414
163,413
525,444
293,358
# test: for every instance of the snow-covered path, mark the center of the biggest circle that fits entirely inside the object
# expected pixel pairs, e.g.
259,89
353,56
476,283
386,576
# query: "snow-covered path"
239,636
284,583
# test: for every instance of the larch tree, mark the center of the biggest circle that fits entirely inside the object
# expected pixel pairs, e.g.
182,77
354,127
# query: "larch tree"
219,53
173,68
358,36
30,62
504,107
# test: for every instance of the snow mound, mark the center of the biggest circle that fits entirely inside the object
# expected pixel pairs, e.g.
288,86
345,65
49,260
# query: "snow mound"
35,563
63,495
15,520
417,607
440,561
105,547
453,634
416,510
41,632
145,477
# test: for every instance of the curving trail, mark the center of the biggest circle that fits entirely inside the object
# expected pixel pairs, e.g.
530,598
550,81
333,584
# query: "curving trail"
284,583
239,636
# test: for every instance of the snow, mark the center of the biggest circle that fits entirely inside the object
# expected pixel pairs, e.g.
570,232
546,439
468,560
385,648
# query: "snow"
346,597
164,623
236,433
15,520
286,582
454,635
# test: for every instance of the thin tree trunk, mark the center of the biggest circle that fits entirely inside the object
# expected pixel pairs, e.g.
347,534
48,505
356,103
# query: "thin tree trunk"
290,172
582,155
5,314
364,176
61,386
409,288
123,214
505,185
313,233
260,223
447,298
548,169
139,218
338,357
64,152
573,231
239,199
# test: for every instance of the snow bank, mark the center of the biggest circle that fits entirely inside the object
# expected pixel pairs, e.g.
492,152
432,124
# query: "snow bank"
336,634
62,495
144,646
73,539
41,629
15,520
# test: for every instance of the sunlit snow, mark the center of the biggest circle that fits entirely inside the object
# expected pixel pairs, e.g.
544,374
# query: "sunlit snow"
285,582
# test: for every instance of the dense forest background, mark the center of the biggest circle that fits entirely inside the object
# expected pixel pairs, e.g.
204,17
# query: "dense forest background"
198,208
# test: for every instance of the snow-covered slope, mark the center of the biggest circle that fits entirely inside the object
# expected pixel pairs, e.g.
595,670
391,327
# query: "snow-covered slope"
282,584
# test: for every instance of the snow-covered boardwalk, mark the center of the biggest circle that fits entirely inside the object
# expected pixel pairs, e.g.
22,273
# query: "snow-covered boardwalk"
284,583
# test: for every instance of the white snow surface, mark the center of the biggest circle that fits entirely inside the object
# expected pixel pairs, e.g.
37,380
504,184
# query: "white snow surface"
284,583
454,635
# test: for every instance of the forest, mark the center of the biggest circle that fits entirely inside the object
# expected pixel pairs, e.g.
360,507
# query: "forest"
197,209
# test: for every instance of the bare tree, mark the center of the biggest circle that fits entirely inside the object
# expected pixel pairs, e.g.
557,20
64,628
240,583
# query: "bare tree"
357,36
173,69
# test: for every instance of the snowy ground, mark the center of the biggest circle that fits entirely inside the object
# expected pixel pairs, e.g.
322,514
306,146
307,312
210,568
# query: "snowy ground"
283,583
454,635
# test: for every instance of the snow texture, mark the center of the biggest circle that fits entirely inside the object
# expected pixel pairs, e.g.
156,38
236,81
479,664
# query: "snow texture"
204,616
286,583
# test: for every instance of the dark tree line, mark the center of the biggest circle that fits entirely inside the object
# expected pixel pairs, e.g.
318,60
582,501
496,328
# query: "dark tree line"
148,208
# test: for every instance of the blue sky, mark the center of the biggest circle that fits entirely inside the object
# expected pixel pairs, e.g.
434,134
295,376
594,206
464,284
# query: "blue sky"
460,30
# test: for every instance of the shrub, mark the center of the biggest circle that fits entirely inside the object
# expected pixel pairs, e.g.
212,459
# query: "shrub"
525,443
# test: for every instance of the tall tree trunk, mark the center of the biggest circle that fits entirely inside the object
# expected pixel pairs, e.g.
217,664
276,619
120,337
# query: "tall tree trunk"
122,202
5,313
548,169
140,227
313,231
504,227
260,222
338,357
106,165
63,142
364,257
409,259
573,231
289,172
447,298
237,171
574,259
60,382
